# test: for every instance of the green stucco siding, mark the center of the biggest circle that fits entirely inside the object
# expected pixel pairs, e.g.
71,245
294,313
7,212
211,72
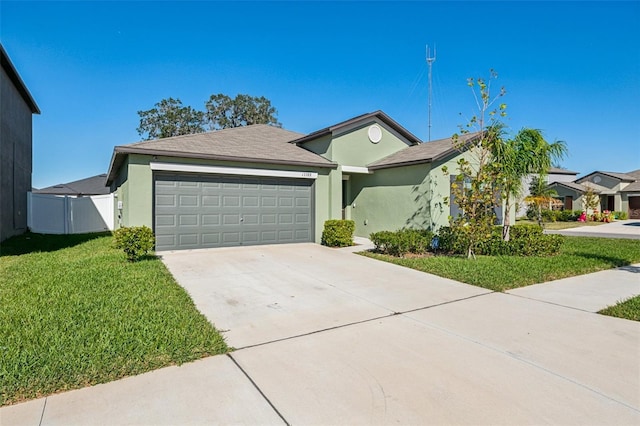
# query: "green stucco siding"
353,148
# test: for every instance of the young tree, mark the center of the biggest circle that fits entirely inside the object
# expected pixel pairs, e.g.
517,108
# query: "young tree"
591,200
224,112
473,188
169,118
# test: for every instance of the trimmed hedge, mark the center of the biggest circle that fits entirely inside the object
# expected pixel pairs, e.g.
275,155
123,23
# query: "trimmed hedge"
338,233
399,243
135,241
525,240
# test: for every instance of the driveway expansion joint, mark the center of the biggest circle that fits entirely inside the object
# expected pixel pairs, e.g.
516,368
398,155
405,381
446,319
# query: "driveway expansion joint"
255,385
44,407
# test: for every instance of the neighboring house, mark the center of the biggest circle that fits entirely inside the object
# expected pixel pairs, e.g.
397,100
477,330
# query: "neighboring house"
617,191
555,174
94,185
16,109
262,185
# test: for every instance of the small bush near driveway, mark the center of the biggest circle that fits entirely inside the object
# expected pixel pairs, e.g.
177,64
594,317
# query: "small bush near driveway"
135,241
73,314
338,233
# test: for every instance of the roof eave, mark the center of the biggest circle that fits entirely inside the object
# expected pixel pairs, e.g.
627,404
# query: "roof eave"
401,164
121,151
13,75
379,114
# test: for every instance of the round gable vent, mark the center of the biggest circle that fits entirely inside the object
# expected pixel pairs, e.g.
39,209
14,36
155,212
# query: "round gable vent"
597,179
375,133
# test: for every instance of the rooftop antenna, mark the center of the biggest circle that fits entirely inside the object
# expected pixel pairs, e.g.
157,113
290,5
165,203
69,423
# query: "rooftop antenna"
430,61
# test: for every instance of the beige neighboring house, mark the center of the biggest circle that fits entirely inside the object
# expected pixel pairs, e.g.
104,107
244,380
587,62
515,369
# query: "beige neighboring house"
555,174
617,191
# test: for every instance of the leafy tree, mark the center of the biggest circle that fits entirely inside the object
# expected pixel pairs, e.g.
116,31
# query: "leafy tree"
527,153
474,186
224,112
169,118
591,200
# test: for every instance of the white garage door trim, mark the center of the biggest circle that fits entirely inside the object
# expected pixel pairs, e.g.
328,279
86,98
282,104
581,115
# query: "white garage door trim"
191,168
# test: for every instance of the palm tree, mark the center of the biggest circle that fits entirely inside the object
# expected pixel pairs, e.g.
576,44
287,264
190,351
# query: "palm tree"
525,154
541,195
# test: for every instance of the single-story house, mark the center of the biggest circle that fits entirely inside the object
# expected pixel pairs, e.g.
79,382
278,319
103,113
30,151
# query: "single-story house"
555,174
94,185
617,191
261,184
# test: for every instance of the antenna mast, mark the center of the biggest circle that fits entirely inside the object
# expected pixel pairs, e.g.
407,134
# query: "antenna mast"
430,61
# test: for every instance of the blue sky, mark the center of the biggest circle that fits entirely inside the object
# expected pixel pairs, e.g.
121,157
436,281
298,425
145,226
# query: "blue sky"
570,69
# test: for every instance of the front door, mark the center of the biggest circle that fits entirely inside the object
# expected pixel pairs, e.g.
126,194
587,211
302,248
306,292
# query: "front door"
568,202
611,203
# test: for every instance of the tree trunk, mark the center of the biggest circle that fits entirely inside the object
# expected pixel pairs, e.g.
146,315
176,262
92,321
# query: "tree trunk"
506,225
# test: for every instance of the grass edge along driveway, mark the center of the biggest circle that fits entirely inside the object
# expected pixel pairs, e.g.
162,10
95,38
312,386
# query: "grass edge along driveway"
578,256
74,313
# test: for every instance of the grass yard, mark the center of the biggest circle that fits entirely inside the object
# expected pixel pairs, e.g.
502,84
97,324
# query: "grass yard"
628,309
74,312
579,255
559,225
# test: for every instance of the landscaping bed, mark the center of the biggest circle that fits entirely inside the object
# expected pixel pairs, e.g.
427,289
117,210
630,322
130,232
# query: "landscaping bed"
74,312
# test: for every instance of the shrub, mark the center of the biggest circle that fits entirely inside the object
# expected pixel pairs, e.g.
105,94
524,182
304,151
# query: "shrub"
399,243
620,215
525,240
338,233
452,242
135,241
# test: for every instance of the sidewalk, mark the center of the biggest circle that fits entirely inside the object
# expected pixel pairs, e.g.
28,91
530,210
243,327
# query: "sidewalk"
628,229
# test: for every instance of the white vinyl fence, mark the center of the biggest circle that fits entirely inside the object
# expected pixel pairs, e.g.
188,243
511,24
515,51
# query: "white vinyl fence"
54,214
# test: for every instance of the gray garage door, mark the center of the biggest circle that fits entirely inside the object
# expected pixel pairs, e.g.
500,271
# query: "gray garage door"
195,211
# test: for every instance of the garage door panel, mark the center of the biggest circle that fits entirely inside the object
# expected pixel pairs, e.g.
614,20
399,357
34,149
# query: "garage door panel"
188,220
188,240
211,201
250,201
210,219
194,211
188,200
211,239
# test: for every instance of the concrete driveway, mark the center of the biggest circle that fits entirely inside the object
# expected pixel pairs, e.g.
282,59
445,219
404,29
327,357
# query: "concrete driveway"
326,337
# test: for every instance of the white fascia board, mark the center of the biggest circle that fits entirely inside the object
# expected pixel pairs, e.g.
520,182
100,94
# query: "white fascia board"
355,169
193,168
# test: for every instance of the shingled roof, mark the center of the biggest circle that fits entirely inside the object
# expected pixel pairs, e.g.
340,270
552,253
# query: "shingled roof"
258,143
364,118
560,171
424,152
94,185
625,177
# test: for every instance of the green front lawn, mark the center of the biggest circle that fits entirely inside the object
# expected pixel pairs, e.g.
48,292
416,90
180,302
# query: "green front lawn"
578,256
629,309
74,312
559,225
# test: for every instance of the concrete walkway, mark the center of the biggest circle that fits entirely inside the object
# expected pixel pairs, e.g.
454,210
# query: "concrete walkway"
328,337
